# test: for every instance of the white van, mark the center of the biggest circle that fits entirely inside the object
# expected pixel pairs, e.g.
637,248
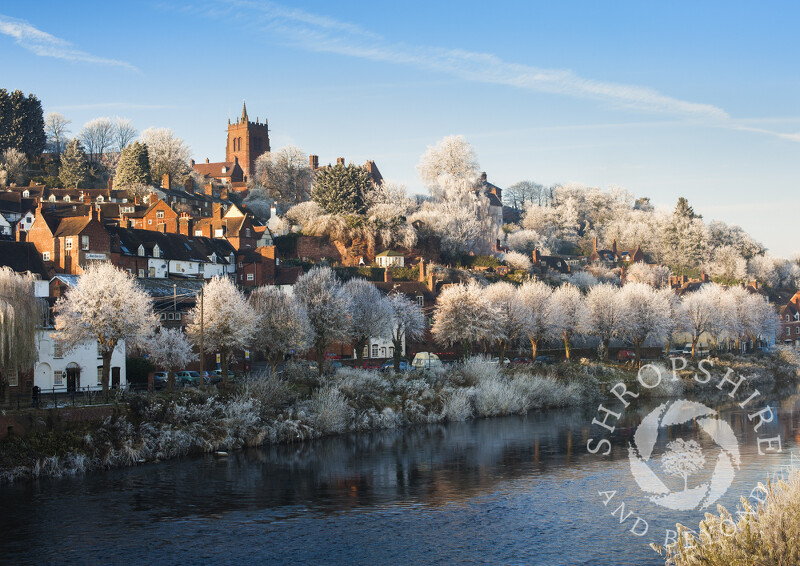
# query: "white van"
426,360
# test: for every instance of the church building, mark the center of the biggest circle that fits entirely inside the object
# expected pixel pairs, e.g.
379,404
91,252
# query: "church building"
246,141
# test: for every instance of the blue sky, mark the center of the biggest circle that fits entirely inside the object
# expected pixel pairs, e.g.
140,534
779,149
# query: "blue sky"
681,99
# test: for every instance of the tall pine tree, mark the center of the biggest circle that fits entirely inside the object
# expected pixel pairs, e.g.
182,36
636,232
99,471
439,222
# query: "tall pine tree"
133,167
21,123
74,168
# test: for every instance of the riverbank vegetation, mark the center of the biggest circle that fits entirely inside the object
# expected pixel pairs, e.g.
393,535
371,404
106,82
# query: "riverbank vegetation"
765,533
300,405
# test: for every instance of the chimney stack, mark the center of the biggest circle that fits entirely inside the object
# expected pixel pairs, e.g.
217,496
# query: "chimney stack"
209,189
165,181
538,258
313,162
216,211
421,266
185,224
340,161
614,246
704,277
188,186
207,161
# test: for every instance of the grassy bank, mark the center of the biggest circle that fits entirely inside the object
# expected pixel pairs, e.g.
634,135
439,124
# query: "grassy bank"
299,407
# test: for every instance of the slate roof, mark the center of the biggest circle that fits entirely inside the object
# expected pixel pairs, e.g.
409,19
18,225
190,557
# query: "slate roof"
215,169
71,226
22,257
173,246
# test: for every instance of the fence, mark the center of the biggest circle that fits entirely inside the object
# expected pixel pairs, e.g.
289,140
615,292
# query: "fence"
54,398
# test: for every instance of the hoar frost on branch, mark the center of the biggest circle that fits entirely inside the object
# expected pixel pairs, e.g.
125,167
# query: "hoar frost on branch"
21,313
511,315
283,324
328,308
170,349
464,315
229,323
646,314
535,298
370,314
605,311
567,313
408,323
106,305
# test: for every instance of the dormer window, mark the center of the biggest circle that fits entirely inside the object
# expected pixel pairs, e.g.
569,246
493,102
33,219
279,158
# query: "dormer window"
100,198
141,250
156,251
52,198
159,214
67,199
26,194
224,169
247,232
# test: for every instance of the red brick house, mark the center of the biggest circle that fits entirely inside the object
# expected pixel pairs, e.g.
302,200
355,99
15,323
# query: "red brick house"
66,244
788,331
234,226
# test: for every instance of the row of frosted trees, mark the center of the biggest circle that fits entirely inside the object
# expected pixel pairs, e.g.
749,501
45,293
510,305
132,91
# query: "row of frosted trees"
503,316
108,306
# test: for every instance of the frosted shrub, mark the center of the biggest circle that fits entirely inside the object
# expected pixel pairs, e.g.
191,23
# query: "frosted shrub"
667,386
472,370
457,404
355,383
494,396
267,391
331,413
765,535
241,420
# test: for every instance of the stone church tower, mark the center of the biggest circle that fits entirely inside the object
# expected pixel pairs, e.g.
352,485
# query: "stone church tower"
246,141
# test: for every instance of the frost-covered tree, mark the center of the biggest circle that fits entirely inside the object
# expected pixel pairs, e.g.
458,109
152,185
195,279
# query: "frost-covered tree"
328,308
605,313
677,316
106,306
449,168
516,260
56,128
170,349
583,280
461,223
727,264
557,224
774,272
511,316
686,237
97,136
285,174
283,325
525,241
14,164
342,189
761,320
464,315
524,193
700,308
654,275
721,234
567,312
258,202
370,315
535,298
123,134
228,321
723,312
74,170
646,315
21,313
168,154
408,323
133,167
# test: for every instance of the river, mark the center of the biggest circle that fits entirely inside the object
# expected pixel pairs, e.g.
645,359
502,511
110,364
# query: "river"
510,490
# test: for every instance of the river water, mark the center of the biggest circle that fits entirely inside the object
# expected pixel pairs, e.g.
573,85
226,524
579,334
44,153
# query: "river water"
511,490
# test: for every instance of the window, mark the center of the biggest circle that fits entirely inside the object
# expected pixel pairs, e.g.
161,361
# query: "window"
383,352
156,251
218,233
58,350
58,377
163,316
250,277
84,243
788,332
67,199
13,378
797,330
152,272
177,316
420,300
170,316
159,214
247,232
140,251
68,244
100,198
240,264
141,273
149,220
374,350
26,194
52,198
46,256
99,355
99,375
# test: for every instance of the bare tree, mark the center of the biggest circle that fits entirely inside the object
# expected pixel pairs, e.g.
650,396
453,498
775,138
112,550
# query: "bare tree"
124,133
408,323
97,137
168,154
170,349
56,129
283,324
14,165
285,174
521,194
370,315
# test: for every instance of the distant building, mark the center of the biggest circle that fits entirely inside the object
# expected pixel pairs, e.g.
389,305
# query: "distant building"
246,142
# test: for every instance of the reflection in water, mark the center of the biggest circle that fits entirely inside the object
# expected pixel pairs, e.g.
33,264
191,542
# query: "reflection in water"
519,489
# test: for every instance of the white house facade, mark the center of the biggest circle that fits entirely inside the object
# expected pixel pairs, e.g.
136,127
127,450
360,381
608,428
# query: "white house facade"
77,370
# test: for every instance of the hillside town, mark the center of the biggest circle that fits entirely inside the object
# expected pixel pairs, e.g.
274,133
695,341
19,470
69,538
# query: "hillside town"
263,218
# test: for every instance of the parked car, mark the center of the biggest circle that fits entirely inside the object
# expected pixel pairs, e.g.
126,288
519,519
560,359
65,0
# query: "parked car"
496,361
521,360
187,377
389,366
426,360
368,364
160,379
626,355
545,360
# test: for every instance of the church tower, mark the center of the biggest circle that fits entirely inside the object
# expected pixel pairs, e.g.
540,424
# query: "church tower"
246,141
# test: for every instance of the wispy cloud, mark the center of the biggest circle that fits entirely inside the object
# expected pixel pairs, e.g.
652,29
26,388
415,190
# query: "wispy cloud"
46,45
319,33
